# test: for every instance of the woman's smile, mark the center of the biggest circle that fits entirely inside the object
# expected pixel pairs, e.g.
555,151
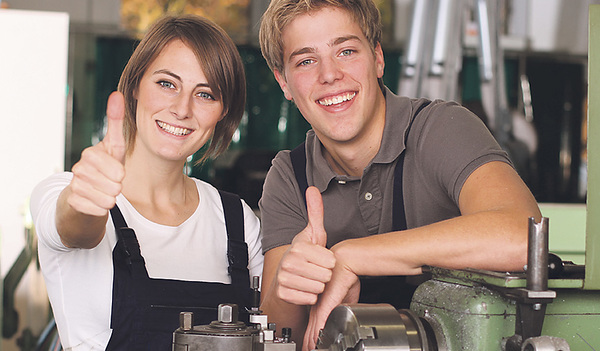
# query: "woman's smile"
171,129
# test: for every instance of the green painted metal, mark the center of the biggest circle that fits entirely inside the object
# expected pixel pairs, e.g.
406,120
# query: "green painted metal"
497,279
475,315
592,251
566,230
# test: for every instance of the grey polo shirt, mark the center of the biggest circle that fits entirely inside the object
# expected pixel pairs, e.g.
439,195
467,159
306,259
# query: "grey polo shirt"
445,144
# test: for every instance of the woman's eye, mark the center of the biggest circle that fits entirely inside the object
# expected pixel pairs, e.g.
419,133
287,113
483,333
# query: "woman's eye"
205,95
165,84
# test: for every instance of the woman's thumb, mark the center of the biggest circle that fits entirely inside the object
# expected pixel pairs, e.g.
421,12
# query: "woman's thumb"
114,140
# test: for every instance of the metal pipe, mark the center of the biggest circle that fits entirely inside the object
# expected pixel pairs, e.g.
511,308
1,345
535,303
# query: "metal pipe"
440,41
485,44
537,255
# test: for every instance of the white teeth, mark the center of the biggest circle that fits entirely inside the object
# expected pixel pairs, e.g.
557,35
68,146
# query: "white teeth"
337,99
172,129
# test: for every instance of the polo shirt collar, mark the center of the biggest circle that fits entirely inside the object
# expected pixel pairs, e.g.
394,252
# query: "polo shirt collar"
397,111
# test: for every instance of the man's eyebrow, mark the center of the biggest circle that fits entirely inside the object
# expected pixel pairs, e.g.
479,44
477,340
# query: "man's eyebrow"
301,51
341,40
336,41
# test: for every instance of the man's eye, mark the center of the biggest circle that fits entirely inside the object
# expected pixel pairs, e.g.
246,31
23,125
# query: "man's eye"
305,62
165,84
347,52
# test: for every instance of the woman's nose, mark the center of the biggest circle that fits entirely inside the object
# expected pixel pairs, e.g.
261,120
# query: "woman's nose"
180,106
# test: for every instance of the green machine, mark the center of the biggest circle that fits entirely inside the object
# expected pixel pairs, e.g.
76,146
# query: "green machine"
554,305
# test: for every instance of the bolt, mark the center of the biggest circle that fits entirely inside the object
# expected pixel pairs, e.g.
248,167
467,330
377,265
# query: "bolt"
228,313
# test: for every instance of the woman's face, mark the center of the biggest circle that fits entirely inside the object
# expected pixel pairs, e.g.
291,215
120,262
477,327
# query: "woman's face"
176,109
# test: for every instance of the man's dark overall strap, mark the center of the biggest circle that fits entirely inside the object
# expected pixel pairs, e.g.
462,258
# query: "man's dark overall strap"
398,209
298,156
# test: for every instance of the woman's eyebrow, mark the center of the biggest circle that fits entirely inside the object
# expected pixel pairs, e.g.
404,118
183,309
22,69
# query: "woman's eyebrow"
167,72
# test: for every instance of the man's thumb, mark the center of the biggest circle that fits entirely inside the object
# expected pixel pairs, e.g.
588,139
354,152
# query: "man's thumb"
115,113
314,205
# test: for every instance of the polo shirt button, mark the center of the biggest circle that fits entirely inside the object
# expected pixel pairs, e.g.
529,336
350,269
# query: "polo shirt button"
368,196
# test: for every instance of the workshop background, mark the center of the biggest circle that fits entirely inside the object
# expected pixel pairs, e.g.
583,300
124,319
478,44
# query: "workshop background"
60,59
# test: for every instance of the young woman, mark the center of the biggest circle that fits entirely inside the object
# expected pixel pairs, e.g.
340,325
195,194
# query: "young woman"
127,240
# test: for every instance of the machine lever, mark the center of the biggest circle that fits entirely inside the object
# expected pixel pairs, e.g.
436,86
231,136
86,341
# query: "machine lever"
532,301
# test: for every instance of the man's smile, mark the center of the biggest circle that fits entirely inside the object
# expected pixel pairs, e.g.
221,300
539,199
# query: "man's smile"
337,99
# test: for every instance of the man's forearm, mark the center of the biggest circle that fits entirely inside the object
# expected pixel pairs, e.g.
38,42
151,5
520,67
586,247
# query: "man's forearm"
490,234
446,244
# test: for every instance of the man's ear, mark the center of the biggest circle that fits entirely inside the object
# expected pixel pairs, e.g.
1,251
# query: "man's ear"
379,60
280,78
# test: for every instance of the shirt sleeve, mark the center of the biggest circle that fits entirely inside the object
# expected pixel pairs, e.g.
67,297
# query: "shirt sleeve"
43,209
282,207
453,143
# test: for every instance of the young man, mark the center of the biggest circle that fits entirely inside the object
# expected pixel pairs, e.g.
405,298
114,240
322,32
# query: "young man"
395,184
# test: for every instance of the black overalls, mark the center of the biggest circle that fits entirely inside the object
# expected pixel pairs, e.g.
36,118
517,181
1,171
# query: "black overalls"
145,311
394,290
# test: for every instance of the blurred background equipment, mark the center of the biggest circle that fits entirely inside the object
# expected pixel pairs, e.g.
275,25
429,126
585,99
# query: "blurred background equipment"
536,51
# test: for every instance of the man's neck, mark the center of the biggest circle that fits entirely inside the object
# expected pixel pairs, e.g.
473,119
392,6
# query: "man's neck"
352,157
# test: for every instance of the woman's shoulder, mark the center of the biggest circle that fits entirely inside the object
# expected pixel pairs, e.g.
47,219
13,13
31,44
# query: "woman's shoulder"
210,196
49,188
56,179
205,189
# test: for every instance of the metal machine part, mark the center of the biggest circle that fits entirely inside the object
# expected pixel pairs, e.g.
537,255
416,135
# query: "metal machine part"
377,327
532,301
228,333
545,343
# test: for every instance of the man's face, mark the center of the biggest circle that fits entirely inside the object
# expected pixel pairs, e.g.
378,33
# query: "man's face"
331,73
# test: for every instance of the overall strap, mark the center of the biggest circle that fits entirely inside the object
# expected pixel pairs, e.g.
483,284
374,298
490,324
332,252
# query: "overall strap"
237,249
298,156
398,209
117,217
128,244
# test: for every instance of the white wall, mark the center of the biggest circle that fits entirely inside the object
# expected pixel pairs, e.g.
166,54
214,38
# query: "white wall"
92,12
33,91
559,25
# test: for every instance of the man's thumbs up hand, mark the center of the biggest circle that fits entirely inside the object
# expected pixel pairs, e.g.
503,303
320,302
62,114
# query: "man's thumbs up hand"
314,206
307,265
